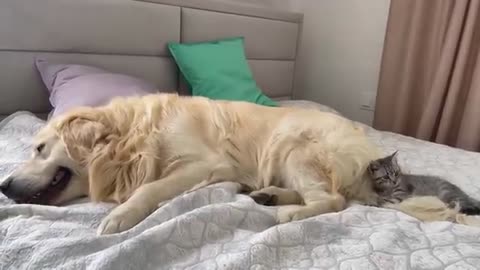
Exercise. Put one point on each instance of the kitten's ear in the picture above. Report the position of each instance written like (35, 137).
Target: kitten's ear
(394, 158)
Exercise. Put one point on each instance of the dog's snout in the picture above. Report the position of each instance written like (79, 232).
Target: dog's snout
(10, 187)
(5, 184)
(15, 188)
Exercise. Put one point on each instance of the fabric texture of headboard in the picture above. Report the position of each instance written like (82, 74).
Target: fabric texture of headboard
(129, 36)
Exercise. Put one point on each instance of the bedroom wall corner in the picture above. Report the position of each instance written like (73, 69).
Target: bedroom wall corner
(340, 54)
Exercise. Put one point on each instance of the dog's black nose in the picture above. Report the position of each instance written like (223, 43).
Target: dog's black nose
(5, 184)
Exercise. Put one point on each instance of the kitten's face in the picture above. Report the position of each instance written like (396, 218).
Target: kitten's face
(385, 172)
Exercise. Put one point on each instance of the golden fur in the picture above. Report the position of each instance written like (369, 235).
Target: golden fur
(429, 208)
(140, 152)
(138, 140)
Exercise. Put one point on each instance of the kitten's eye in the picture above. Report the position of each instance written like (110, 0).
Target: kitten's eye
(40, 147)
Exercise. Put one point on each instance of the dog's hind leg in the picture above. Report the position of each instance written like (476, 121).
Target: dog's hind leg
(273, 195)
(314, 182)
(317, 202)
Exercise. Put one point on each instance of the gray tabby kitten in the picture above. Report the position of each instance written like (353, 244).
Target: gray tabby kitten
(394, 186)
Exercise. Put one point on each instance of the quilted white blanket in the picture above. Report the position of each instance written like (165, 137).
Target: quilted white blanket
(214, 228)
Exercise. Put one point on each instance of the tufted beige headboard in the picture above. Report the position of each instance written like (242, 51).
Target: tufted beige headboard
(130, 37)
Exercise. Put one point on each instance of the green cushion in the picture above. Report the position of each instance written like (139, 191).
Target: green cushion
(218, 70)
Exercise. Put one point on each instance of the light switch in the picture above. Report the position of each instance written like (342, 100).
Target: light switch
(367, 101)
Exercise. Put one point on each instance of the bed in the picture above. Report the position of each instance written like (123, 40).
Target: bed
(212, 228)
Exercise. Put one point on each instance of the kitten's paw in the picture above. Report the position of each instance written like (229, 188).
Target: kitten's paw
(454, 205)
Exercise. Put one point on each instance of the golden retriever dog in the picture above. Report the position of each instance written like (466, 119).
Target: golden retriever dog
(142, 151)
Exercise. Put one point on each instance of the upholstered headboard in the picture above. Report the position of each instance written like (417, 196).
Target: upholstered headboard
(130, 37)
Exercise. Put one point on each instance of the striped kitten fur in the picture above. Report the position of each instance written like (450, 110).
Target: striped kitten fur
(394, 186)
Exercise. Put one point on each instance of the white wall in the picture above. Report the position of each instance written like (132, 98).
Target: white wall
(340, 53)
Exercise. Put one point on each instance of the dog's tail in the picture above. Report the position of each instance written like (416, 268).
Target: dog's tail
(430, 208)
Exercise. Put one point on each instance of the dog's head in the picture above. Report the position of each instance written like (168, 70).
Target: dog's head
(57, 169)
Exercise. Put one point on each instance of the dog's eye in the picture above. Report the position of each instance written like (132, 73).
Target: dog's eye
(40, 147)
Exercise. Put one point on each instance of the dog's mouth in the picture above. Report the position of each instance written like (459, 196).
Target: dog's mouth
(58, 183)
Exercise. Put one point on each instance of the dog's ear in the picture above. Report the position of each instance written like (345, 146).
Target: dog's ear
(82, 131)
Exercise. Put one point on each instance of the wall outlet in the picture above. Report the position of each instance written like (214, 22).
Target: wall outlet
(367, 101)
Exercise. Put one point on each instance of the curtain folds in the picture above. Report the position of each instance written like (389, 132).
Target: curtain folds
(429, 84)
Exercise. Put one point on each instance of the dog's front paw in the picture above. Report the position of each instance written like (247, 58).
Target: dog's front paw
(120, 219)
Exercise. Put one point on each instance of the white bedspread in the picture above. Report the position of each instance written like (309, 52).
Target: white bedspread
(214, 228)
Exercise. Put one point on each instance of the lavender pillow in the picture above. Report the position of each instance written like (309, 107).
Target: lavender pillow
(78, 85)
